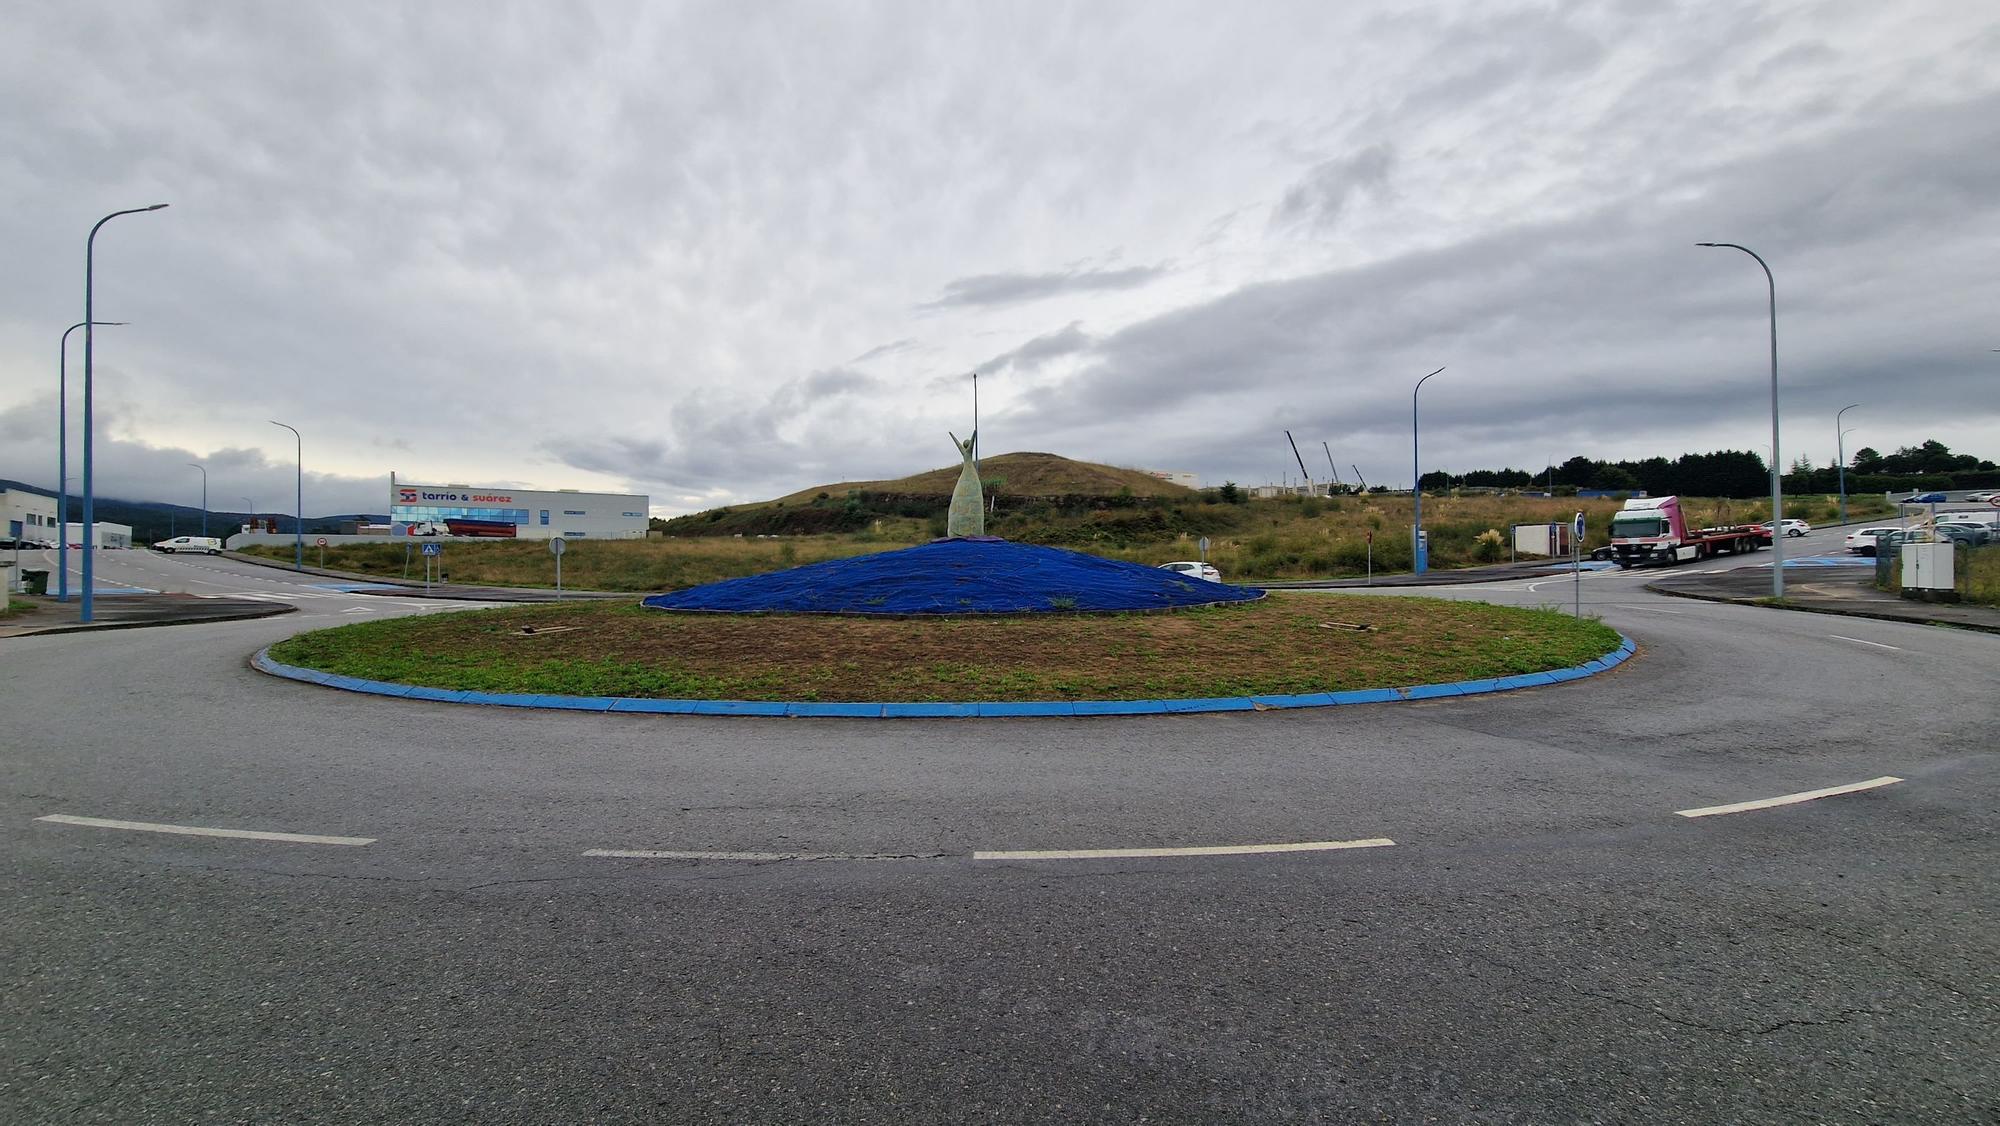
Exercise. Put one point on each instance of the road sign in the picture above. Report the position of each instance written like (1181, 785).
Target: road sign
(558, 545)
(1579, 527)
(320, 542)
(1994, 500)
(1204, 549)
(433, 549)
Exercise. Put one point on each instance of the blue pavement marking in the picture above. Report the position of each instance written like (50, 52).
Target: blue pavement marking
(987, 709)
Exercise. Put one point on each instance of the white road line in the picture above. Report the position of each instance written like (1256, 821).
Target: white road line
(1202, 850)
(1652, 609)
(1790, 799)
(200, 831)
(667, 854)
(1859, 641)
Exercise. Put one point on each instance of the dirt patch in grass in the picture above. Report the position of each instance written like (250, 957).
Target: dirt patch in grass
(1283, 644)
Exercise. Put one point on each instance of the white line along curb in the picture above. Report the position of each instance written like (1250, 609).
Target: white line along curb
(757, 857)
(199, 831)
(1790, 799)
(1200, 850)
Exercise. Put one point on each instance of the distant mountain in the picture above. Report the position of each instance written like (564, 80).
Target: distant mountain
(156, 520)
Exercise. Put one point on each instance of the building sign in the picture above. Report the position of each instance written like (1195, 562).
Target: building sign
(425, 494)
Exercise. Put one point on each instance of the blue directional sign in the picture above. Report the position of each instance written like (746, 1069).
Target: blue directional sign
(433, 549)
(1579, 527)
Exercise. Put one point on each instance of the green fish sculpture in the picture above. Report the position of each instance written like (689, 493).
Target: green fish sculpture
(968, 504)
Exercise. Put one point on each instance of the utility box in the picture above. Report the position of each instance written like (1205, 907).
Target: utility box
(1541, 539)
(1927, 571)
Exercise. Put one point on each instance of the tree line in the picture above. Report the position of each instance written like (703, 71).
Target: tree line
(1737, 473)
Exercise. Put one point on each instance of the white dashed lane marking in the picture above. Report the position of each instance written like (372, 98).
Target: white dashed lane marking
(1859, 641)
(1790, 799)
(203, 831)
(1199, 850)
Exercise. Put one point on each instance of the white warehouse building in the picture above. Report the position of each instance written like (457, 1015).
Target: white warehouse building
(496, 512)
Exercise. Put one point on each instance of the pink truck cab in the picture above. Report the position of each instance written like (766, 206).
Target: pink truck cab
(1653, 530)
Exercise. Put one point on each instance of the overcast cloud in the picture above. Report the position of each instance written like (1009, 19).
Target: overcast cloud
(721, 252)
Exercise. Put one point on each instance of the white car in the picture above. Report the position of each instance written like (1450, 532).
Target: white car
(1982, 498)
(1861, 541)
(205, 545)
(1194, 570)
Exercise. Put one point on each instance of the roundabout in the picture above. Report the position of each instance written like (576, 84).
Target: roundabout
(1285, 651)
(1746, 878)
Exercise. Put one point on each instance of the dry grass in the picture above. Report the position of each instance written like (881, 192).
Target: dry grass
(1295, 538)
(1279, 645)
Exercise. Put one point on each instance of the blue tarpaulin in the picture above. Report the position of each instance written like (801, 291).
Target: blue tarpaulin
(957, 576)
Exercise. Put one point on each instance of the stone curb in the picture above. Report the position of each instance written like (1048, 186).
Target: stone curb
(263, 662)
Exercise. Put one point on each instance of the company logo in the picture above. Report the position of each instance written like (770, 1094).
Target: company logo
(412, 496)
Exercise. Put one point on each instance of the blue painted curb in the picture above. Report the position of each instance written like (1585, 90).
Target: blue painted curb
(262, 662)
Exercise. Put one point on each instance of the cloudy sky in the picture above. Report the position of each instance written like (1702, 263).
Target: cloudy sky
(720, 251)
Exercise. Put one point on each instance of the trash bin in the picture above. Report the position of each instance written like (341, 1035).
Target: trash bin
(37, 582)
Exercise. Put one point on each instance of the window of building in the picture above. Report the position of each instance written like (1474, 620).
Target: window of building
(545, 517)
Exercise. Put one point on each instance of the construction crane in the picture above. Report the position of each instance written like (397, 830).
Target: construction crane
(1359, 477)
(1303, 475)
(1329, 462)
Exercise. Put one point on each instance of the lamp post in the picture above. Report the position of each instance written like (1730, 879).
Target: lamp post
(89, 482)
(1418, 555)
(62, 462)
(1777, 468)
(1840, 451)
(298, 521)
(204, 498)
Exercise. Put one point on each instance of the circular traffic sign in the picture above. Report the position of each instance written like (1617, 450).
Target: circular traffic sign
(558, 545)
(320, 542)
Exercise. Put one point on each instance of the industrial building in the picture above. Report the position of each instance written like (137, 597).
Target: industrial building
(106, 534)
(495, 512)
(30, 513)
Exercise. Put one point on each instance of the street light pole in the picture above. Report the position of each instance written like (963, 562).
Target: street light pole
(1418, 555)
(89, 483)
(204, 498)
(1840, 451)
(1777, 467)
(62, 462)
(298, 521)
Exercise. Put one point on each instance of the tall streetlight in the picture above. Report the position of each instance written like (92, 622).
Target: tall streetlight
(89, 483)
(1840, 451)
(204, 497)
(1417, 553)
(1777, 466)
(299, 521)
(62, 462)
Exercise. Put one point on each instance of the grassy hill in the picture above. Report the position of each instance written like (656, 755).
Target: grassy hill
(1015, 474)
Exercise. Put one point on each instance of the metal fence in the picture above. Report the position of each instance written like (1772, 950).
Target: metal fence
(1975, 573)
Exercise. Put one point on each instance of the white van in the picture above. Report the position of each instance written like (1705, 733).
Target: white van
(206, 545)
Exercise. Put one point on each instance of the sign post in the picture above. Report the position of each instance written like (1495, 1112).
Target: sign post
(557, 546)
(432, 551)
(321, 544)
(1371, 557)
(1204, 549)
(1576, 559)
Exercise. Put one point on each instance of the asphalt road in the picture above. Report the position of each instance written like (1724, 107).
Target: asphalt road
(1545, 940)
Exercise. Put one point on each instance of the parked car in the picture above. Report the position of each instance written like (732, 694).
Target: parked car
(1982, 498)
(1861, 541)
(205, 545)
(1194, 570)
(1924, 498)
(1978, 535)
